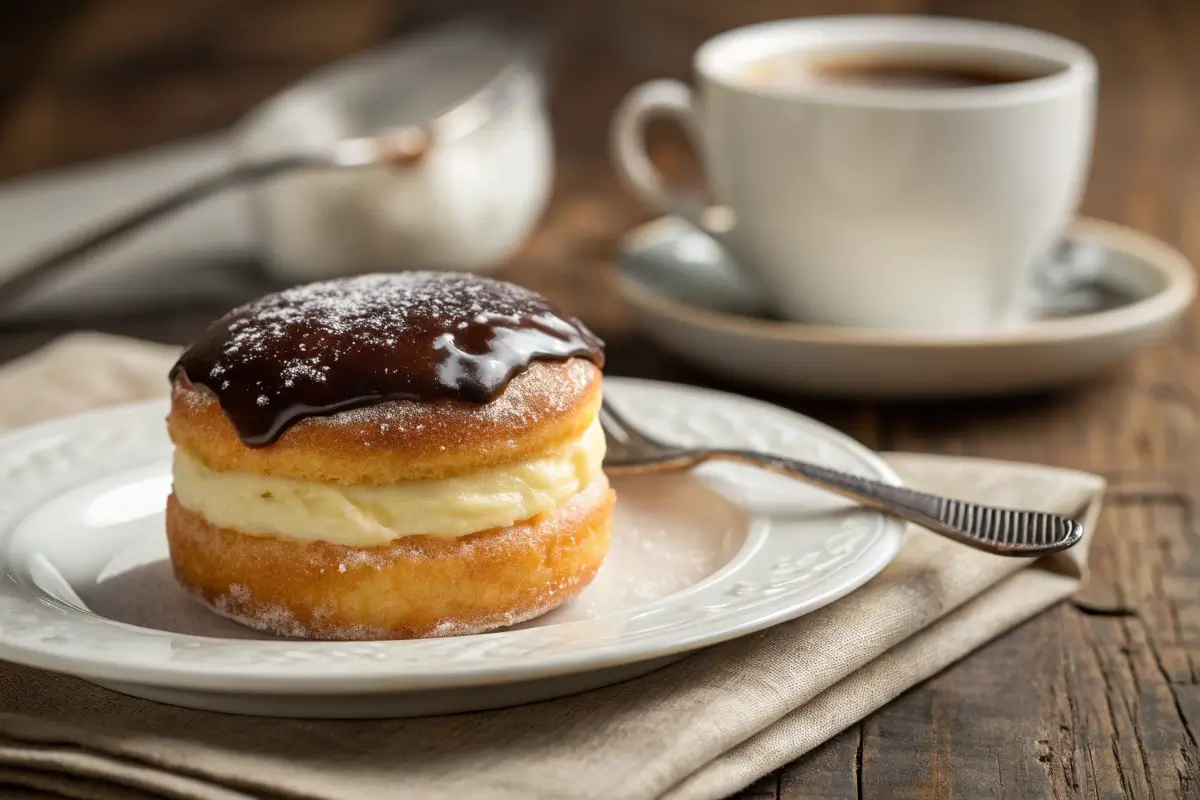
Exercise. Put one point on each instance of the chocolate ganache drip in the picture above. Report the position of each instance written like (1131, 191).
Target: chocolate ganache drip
(327, 347)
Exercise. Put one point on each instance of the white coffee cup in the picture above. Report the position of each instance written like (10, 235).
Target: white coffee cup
(917, 207)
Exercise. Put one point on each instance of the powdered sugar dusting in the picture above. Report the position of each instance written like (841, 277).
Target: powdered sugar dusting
(378, 310)
(241, 608)
(556, 391)
(332, 345)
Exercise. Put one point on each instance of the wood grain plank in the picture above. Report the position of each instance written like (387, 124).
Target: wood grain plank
(976, 730)
(765, 788)
(830, 772)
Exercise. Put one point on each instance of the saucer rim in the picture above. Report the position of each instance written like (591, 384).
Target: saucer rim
(1176, 296)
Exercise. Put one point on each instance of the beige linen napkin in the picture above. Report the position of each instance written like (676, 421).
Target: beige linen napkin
(702, 728)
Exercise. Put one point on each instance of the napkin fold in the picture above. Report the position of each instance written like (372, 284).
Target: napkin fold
(701, 728)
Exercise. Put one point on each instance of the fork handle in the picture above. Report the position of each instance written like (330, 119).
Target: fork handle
(1001, 531)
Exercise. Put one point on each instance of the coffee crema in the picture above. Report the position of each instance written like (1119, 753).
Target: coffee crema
(795, 70)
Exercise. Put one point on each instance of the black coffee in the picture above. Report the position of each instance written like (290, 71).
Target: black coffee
(881, 71)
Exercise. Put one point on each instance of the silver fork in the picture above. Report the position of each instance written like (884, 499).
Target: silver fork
(1002, 531)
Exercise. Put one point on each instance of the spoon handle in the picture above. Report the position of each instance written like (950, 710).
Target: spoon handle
(18, 279)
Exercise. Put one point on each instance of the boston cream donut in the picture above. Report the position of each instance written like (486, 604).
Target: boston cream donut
(389, 456)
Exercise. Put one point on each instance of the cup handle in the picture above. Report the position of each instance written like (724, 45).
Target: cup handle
(673, 100)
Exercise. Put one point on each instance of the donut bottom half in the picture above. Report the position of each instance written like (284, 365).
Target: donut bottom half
(415, 587)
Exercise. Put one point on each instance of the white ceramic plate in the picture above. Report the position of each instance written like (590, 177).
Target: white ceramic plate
(697, 558)
(686, 295)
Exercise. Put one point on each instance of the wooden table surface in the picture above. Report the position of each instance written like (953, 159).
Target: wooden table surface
(1098, 697)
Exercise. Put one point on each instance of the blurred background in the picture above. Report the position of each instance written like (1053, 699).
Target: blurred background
(89, 79)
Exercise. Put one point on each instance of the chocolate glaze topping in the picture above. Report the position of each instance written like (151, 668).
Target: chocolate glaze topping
(336, 345)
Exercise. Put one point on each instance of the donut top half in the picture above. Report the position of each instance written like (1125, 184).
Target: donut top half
(415, 375)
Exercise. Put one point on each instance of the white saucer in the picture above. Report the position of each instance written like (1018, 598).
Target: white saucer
(697, 559)
(686, 294)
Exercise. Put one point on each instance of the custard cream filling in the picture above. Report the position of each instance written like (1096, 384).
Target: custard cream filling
(369, 516)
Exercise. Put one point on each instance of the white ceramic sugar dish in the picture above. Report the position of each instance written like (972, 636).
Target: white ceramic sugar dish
(464, 201)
